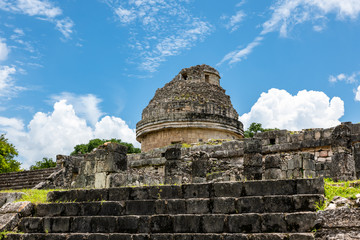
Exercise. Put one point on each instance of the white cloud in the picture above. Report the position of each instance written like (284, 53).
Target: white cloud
(42, 9)
(308, 109)
(234, 20)
(125, 15)
(57, 132)
(86, 106)
(238, 55)
(159, 29)
(4, 50)
(357, 94)
(342, 77)
(7, 87)
(286, 14)
(65, 26)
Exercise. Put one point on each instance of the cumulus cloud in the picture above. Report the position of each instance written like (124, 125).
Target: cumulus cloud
(357, 94)
(4, 50)
(57, 132)
(42, 9)
(159, 29)
(86, 106)
(286, 14)
(308, 109)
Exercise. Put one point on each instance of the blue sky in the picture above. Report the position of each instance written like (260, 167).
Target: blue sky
(74, 70)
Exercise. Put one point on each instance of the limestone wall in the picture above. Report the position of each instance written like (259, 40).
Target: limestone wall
(333, 152)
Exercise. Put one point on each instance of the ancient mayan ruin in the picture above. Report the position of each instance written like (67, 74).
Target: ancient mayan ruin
(191, 108)
(197, 178)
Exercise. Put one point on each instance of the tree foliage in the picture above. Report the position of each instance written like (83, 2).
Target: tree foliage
(255, 128)
(94, 143)
(45, 163)
(7, 154)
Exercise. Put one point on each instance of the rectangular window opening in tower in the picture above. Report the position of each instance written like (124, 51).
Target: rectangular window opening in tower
(207, 78)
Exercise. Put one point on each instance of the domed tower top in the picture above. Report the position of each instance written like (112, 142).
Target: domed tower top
(193, 107)
(200, 73)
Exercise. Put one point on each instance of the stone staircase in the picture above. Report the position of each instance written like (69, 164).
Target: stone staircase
(282, 209)
(24, 179)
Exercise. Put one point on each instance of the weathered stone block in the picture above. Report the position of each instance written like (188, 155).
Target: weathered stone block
(295, 162)
(273, 223)
(60, 225)
(196, 190)
(141, 207)
(261, 188)
(24, 209)
(118, 194)
(100, 180)
(245, 223)
(165, 192)
(213, 223)
(272, 161)
(310, 186)
(197, 206)
(172, 153)
(300, 222)
(128, 224)
(103, 224)
(223, 205)
(80, 225)
(112, 209)
(8, 221)
(306, 202)
(228, 189)
(253, 160)
(278, 204)
(139, 193)
(274, 173)
(187, 223)
(250, 205)
(176, 206)
(161, 224)
(342, 166)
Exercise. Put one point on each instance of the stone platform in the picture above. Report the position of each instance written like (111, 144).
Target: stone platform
(273, 209)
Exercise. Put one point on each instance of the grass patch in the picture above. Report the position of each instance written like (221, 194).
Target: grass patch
(346, 189)
(33, 195)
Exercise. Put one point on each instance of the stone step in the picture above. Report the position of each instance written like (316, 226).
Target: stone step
(22, 181)
(25, 177)
(18, 187)
(180, 223)
(193, 236)
(28, 173)
(206, 190)
(221, 205)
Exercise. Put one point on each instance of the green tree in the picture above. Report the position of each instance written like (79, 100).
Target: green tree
(7, 154)
(256, 127)
(94, 143)
(45, 163)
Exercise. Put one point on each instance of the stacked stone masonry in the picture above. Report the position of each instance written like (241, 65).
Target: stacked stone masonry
(280, 154)
(273, 209)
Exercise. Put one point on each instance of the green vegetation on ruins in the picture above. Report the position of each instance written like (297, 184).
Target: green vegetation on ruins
(32, 195)
(7, 154)
(255, 128)
(45, 163)
(348, 189)
(94, 143)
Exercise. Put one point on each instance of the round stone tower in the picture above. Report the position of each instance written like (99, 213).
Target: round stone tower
(193, 107)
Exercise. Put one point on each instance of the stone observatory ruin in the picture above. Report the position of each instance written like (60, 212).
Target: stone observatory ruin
(191, 108)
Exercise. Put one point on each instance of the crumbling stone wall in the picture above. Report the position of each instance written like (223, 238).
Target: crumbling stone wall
(333, 152)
